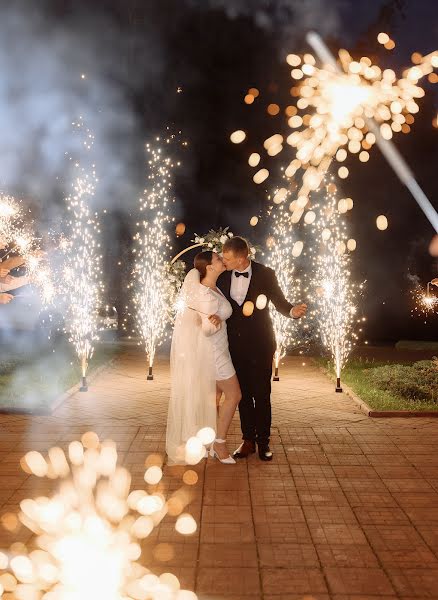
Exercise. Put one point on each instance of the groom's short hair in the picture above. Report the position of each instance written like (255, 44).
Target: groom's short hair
(238, 245)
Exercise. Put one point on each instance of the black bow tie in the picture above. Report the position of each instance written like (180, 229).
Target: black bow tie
(237, 274)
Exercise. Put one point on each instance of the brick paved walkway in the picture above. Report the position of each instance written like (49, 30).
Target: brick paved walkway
(348, 509)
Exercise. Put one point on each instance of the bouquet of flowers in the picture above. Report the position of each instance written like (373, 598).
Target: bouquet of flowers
(215, 239)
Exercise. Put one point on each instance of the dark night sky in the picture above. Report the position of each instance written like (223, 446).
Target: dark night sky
(141, 51)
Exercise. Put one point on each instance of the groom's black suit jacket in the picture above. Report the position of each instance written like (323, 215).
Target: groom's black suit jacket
(251, 339)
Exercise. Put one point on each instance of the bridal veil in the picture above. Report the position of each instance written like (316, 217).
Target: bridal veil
(192, 404)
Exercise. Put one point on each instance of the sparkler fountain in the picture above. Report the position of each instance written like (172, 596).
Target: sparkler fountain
(283, 251)
(82, 267)
(335, 292)
(153, 292)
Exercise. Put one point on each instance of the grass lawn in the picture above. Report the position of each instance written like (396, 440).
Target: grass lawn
(356, 376)
(32, 383)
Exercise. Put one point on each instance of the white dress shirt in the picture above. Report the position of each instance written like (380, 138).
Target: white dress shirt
(239, 285)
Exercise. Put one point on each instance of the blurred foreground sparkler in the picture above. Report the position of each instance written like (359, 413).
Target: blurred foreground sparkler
(82, 266)
(153, 291)
(88, 533)
(335, 292)
(345, 109)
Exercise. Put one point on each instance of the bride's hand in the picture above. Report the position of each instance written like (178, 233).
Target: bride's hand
(215, 320)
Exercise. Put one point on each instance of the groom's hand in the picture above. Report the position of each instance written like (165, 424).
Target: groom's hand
(215, 320)
(298, 311)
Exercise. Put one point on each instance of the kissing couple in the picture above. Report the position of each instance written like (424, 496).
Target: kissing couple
(220, 348)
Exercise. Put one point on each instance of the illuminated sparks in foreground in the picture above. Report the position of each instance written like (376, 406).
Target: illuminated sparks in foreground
(88, 534)
(335, 296)
(153, 291)
(81, 274)
(281, 258)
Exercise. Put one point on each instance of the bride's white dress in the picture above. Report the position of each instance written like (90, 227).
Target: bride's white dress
(212, 302)
(199, 357)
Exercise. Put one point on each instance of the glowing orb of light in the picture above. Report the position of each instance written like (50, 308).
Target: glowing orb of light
(194, 451)
(326, 233)
(148, 505)
(254, 159)
(343, 205)
(351, 245)
(180, 229)
(206, 435)
(297, 249)
(349, 203)
(253, 221)
(343, 172)
(261, 301)
(382, 222)
(309, 217)
(280, 195)
(248, 308)
(186, 524)
(142, 527)
(238, 136)
(190, 477)
(153, 475)
(293, 60)
(383, 38)
(261, 176)
(36, 463)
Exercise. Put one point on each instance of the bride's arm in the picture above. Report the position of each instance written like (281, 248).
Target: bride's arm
(208, 305)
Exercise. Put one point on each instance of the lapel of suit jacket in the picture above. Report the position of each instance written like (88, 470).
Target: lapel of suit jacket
(226, 287)
(254, 271)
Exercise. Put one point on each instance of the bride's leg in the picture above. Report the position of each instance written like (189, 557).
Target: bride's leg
(231, 388)
(218, 398)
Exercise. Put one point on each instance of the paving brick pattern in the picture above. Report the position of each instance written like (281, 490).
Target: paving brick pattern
(347, 510)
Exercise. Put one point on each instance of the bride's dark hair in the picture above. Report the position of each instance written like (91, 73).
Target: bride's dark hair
(202, 259)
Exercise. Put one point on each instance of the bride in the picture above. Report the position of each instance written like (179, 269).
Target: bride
(200, 363)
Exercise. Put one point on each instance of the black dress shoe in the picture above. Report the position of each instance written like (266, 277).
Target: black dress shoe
(245, 449)
(265, 453)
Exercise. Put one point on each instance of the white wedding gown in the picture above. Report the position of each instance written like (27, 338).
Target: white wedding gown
(199, 357)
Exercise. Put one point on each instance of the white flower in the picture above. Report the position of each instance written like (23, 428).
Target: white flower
(201, 240)
(230, 234)
(223, 239)
(210, 245)
(196, 240)
(252, 250)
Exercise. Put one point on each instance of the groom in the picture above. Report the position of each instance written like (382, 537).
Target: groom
(252, 340)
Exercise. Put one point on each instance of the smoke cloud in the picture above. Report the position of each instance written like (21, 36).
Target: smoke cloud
(54, 71)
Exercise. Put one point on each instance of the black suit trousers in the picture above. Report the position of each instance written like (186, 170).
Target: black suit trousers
(255, 405)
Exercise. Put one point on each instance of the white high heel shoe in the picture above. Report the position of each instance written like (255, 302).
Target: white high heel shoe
(226, 461)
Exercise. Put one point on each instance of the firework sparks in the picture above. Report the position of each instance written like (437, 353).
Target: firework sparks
(10, 217)
(281, 258)
(426, 303)
(88, 533)
(81, 273)
(347, 109)
(335, 293)
(153, 291)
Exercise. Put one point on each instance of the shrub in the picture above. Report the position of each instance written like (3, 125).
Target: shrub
(418, 381)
